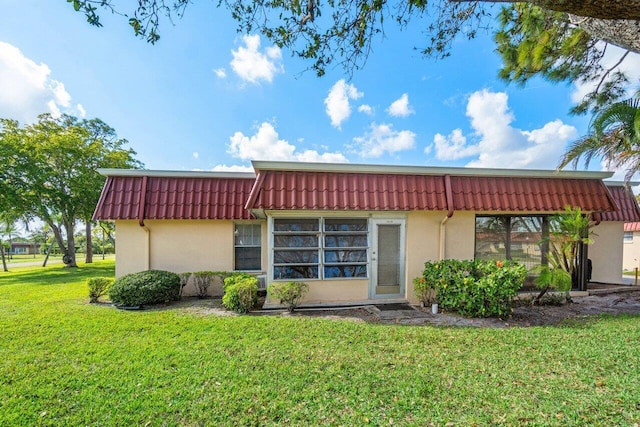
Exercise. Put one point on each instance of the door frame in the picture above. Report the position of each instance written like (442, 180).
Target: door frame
(375, 222)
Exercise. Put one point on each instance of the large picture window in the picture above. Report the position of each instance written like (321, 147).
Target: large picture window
(518, 238)
(320, 248)
(248, 247)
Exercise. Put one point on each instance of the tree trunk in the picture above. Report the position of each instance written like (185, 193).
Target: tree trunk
(599, 9)
(4, 261)
(89, 251)
(613, 21)
(71, 245)
(619, 32)
(46, 258)
(610, 9)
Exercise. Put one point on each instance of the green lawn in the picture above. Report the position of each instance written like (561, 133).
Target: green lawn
(66, 362)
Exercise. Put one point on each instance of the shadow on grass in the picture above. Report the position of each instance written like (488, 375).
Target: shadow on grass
(56, 274)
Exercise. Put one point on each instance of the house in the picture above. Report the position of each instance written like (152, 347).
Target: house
(24, 248)
(354, 233)
(631, 246)
(607, 253)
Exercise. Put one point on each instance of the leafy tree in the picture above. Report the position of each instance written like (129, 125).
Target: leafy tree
(51, 170)
(560, 40)
(614, 135)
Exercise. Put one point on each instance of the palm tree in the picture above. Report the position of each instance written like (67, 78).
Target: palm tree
(614, 135)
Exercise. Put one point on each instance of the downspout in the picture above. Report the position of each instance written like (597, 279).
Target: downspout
(449, 196)
(147, 239)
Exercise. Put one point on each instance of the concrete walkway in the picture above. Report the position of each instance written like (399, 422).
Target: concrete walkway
(32, 263)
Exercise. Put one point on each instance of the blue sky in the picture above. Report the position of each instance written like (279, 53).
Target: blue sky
(205, 97)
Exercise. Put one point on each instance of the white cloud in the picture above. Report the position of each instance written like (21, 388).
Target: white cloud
(630, 65)
(254, 66)
(27, 88)
(267, 145)
(337, 101)
(400, 107)
(382, 138)
(452, 147)
(220, 72)
(232, 168)
(196, 154)
(81, 110)
(499, 145)
(366, 109)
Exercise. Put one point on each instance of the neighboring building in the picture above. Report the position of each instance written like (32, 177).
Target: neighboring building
(354, 233)
(607, 252)
(24, 248)
(631, 251)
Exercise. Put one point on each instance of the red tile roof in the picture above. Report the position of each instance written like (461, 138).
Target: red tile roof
(486, 193)
(282, 190)
(285, 190)
(173, 197)
(628, 210)
(632, 226)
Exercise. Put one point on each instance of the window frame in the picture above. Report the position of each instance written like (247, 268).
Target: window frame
(322, 249)
(545, 228)
(236, 246)
(627, 237)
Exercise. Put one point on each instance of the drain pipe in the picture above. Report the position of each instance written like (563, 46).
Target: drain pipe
(443, 234)
(147, 238)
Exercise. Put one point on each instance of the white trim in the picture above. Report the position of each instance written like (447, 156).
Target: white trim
(425, 170)
(174, 174)
(373, 263)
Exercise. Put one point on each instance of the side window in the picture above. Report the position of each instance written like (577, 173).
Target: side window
(248, 247)
(628, 236)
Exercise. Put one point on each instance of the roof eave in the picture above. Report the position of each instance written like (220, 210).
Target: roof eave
(174, 174)
(259, 165)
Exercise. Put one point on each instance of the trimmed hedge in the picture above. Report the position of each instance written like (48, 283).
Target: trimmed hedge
(473, 288)
(240, 292)
(145, 287)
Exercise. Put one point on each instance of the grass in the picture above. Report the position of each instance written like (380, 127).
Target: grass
(66, 362)
(22, 258)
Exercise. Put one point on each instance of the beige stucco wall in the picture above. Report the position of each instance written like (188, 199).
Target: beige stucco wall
(177, 246)
(423, 241)
(631, 253)
(606, 252)
(328, 292)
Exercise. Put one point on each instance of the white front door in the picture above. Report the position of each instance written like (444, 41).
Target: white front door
(387, 258)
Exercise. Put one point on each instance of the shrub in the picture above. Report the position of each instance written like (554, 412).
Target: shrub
(425, 291)
(234, 278)
(475, 288)
(290, 293)
(202, 280)
(184, 280)
(145, 287)
(98, 286)
(240, 294)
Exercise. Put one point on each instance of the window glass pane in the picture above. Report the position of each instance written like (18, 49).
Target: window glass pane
(295, 225)
(345, 241)
(295, 257)
(295, 241)
(491, 237)
(295, 272)
(346, 271)
(628, 236)
(334, 256)
(248, 235)
(526, 241)
(345, 224)
(248, 258)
